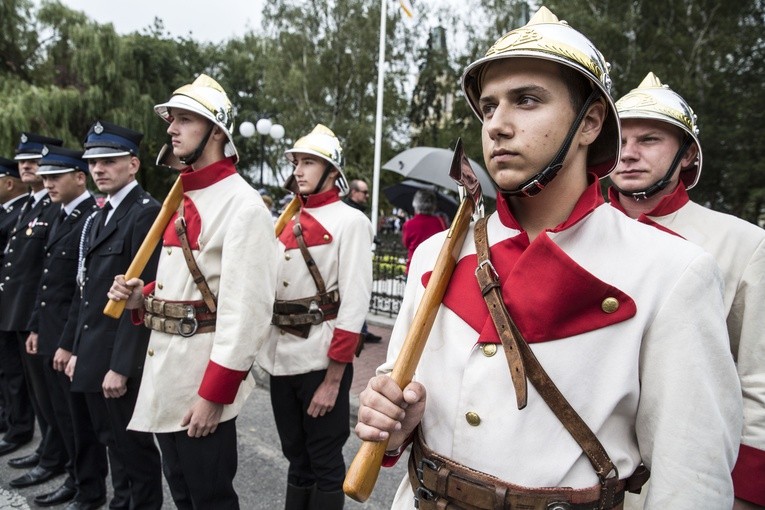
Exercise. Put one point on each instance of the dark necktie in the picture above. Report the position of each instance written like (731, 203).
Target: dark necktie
(104, 214)
(28, 205)
(60, 219)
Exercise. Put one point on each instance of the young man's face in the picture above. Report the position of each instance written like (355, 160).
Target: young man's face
(112, 174)
(63, 188)
(186, 131)
(28, 172)
(308, 170)
(527, 112)
(648, 148)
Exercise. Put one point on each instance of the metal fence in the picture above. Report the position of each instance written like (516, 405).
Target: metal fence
(388, 274)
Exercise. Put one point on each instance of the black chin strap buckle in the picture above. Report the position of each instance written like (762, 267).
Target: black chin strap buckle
(532, 188)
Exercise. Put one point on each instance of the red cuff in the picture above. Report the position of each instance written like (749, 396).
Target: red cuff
(343, 346)
(220, 384)
(136, 316)
(391, 460)
(748, 475)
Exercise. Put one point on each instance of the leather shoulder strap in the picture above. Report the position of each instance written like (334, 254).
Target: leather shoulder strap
(196, 274)
(297, 229)
(523, 363)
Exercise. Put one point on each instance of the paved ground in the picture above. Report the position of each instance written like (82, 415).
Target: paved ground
(262, 469)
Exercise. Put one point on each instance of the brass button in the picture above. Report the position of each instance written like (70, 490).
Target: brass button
(150, 352)
(473, 418)
(169, 251)
(286, 284)
(287, 256)
(85, 327)
(326, 237)
(42, 303)
(63, 253)
(44, 287)
(160, 286)
(489, 350)
(610, 305)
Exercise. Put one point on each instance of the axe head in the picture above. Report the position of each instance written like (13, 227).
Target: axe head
(463, 173)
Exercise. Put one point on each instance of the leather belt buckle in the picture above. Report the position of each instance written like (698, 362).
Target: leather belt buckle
(189, 320)
(316, 312)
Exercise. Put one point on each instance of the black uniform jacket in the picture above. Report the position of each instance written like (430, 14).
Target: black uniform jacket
(100, 342)
(8, 220)
(22, 265)
(59, 279)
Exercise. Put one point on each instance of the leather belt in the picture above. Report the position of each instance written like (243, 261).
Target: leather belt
(184, 318)
(441, 483)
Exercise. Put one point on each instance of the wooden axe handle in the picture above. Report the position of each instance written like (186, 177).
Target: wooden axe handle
(292, 208)
(173, 199)
(363, 471)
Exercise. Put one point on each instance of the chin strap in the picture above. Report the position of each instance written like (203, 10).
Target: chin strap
(661, 183)
(323, 178)
(537, 183)
(190, 159)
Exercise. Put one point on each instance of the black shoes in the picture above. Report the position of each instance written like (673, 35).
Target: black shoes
(57, 497)
(36, 476)
(6, 447)
(86, 505)
(28, 461)
(371, 338)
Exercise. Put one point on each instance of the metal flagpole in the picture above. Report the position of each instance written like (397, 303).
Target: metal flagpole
(378, 117)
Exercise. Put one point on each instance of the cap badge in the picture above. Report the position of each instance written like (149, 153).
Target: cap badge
(98, 128)
(24, 138)
(45, 150)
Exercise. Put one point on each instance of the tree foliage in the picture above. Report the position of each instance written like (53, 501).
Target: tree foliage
(316, 62)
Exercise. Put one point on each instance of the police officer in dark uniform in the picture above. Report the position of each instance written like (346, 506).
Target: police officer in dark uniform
(20, 275)
(12, 194)
(108, 354)
(64, 175)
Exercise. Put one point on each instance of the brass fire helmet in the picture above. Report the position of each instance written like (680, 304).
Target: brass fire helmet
(323, 143)
(545, 37)
(656, 101)
(207, 98)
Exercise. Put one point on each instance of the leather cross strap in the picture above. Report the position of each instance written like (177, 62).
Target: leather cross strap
(196, 274)
(510, 335)
(297, 229)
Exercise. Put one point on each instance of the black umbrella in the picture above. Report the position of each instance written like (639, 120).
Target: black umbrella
(401, 196)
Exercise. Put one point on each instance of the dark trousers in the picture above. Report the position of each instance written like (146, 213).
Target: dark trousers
(90, 462)
(18, 403)
(54, 453)
(200, 471)
(313, 446)
(134, 458)
(90, 480)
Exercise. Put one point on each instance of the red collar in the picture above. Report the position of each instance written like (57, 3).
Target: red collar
(667, 205)
(320, 199)
(588, 201)
(207, 176)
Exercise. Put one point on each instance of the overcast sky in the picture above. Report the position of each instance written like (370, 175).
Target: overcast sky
(210, 21)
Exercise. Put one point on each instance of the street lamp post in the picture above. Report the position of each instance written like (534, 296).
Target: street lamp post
(264, 127)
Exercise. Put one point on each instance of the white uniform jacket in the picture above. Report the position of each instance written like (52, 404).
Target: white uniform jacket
(231, 235)
(739, 249)
(339, 239)
(654, 379)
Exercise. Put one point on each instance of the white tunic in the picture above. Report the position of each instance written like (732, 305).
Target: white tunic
(339, 239)
(739, 249)
(657, 385)
(231, 234)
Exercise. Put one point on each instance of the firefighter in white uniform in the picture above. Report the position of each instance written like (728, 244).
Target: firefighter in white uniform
(600, 302)
(661, 159)
(209, 307)
(323, 288)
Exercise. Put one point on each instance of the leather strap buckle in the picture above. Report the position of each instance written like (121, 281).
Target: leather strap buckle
(189, 320)
(316, 312)
(532, 188)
